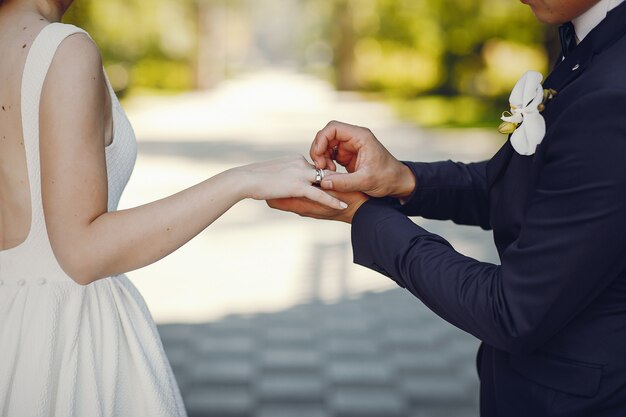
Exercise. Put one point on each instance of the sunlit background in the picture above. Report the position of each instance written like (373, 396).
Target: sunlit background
(440, 62)
(264, 314)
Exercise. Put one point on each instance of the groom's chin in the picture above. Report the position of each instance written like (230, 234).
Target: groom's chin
(554, 12)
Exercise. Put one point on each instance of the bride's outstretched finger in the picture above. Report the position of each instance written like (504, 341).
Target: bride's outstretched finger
(322, 197)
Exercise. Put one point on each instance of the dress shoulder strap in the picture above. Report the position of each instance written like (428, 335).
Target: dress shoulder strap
(37, 64)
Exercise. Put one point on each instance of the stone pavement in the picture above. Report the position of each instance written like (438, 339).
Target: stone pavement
(378, 355)
(264, 314)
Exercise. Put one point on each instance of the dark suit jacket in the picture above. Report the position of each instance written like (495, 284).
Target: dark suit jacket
(552, 316)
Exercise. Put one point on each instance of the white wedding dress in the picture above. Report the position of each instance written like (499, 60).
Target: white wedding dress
(68, 350)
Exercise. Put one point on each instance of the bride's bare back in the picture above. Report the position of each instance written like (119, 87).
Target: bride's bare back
(16, 37)
(14, 188)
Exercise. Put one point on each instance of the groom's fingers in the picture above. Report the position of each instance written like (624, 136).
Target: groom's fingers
(302, 207)
(332, 135)
(284, 204)
(356, 181)
(320, 152)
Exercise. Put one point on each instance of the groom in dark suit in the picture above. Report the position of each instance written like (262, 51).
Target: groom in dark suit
(552, 316)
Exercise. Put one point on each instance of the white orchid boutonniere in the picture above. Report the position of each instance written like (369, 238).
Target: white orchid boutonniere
(524, 122)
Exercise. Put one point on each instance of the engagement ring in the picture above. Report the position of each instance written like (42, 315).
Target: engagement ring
(319, 176)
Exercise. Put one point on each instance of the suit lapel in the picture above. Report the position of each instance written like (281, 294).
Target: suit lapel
(612, 28)
(569, 69)
(500, 160)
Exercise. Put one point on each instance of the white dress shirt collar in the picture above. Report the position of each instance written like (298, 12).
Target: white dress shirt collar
(586, 22)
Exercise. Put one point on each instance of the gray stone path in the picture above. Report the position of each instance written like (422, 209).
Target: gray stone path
(264, 314)
(378, 355)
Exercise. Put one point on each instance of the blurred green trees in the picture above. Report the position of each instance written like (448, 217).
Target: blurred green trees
(144, 43)
(440, 61)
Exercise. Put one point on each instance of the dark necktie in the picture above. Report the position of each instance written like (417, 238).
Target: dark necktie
(567, 34)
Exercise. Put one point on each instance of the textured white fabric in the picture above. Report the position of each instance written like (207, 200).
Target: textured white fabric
(68, 350)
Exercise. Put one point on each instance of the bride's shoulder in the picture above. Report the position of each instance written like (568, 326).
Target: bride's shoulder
(76, 65)
(77, 51)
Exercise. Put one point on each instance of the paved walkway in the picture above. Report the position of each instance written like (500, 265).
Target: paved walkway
(378, 355)
(264, 314)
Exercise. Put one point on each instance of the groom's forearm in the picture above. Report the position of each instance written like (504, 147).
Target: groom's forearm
(449, 190)
(452, 285)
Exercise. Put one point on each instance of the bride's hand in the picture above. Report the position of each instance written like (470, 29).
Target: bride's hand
(285, 177)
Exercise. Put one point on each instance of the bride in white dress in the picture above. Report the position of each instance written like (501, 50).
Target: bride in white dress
(76, 338)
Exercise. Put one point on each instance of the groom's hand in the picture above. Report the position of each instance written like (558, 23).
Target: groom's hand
(308, 208)
(371, 168)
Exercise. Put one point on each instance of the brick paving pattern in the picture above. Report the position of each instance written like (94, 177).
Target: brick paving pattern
(379, 355)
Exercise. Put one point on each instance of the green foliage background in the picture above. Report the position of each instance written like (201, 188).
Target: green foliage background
(440, 62)
(144, 43)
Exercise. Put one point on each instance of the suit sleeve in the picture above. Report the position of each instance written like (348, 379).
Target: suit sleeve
(450, 191)
(571, 244)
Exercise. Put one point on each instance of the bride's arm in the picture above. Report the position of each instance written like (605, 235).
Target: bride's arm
(91, 243)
